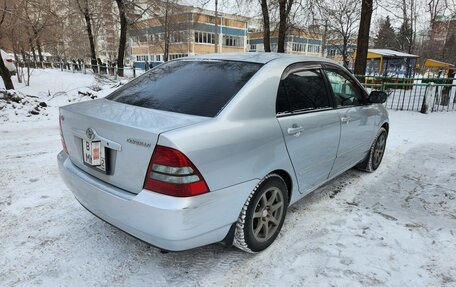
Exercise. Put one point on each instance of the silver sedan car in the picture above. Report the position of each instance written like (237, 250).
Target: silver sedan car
(214, 148)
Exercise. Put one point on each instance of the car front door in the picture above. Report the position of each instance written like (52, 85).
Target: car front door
(357, 119)
(309, 123)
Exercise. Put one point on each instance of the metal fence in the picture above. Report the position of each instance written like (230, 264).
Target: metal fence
(415, 94)
(101, 69)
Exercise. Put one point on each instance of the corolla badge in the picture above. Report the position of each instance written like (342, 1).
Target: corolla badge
(90, 133)
(139, 142)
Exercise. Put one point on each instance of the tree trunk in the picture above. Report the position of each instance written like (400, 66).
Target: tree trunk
(284, 11)
(38, 47)
(412, 27)
(282, 26)
(86, 13)
(24, 56)
(16, 58)
(6, 76)
(93, 55)
(266, 27)
(344, 52)
(26, 59)
(363, 37)
(32, 49)
(324, 38)
(166, 49)
(216, 34)
(123, 37)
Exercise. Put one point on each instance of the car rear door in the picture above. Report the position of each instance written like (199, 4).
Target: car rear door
(357, 119)
(309, 123)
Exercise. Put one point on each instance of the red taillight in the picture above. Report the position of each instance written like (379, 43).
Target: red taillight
(61, 135)
(170, 172)
(9, 60)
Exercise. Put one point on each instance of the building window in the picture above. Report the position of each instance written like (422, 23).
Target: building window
(142, 39)
(299, 47)
(313, 48)
(177, 56)
(253, 47)
(233, 41)
(142, 58)
(334, 52)
(273, 47)
(204, 37)
(177, 37)
(158, 58)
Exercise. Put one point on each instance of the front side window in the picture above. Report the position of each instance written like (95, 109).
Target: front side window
(199, 88)
(346, 92)
(302, 91)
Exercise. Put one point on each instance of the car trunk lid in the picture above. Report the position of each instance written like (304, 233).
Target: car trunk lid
(127, 134)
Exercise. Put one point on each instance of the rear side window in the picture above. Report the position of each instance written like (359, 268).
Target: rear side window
(199, 88)
(302, 91)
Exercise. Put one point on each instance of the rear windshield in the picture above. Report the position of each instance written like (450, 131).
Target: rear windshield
(200, 88)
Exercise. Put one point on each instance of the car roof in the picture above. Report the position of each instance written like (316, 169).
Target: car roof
(260, 57)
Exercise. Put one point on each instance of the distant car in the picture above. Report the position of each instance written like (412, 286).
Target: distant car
(9, 61)
(216, 147)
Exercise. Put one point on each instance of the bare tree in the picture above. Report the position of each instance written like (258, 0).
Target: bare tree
(434, 46)
(84, 8)
(435, 9)
(170, 16)
(267, 11)
(363, 37)
(343, 18)
(39, 16)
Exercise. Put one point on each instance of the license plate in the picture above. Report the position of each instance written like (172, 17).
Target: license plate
(94, 154)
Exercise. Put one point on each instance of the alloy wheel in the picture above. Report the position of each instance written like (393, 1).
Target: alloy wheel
(379, 149)
(268, 214)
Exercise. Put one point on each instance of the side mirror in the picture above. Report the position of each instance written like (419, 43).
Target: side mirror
(377, 97)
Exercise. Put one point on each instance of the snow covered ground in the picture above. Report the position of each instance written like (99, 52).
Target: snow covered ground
(394, 227)
(54, 88)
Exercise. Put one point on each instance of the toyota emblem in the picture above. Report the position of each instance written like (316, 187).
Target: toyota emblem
(90, 134)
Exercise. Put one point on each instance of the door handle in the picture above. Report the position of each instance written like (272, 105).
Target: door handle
(345, 119)
(295, 130)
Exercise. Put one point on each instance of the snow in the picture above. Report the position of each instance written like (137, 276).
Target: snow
(393, 227)
(55, 88)
(388, 52)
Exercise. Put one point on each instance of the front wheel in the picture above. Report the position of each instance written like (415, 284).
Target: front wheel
(376, 152)
(262, 216)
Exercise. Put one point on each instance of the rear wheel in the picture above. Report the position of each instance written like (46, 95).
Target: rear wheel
(376, 152)
(263, 215)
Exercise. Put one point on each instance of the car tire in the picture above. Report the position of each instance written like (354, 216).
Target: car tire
(376, 152)
(262, 215)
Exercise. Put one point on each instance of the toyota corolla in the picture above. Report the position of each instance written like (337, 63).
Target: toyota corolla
(215, 148)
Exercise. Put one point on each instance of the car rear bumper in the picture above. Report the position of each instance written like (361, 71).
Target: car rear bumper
(170, 223)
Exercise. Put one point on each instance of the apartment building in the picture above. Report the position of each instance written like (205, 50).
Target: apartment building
(298, 41)
(191, 32)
